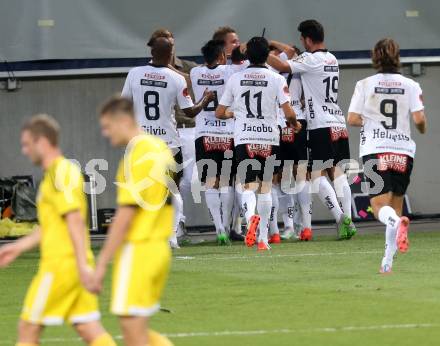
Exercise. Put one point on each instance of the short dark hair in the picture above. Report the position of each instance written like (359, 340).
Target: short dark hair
(212, 50)
(43, 125)
(257, 50)
(386, 55)
(117, 104)
(162, 32)
(221, 32)
(312, 29)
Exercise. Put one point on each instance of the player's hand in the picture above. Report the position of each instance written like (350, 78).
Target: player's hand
(208, 95)
(8, 253)
(86, 276)
(97, 282)
(297, 127)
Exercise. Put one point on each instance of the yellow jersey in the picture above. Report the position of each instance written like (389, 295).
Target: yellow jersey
(142, 181)
(60, 192)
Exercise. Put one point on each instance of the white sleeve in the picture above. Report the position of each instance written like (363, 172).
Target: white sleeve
(227, 97)
(183, 97)
(301, 64)
(416, 98)
(283, 92)
(126, 90)
(358, 99)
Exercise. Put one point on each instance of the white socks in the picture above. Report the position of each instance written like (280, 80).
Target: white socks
(286, 209)
(248, 204)
(264, 206)
(305, 202)
(389, 217)
(343, 193)
(227, 196)
(237, 208)
(328, 197)
(212, 197)
(273, 225)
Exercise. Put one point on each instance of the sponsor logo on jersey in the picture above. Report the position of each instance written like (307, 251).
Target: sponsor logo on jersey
(331, 62)
(154, 75)
(154, 83)
(337, 133)
(390, 84)
(254, 75)
(256, 128)
(257, 83)
(261, 150)
(155, 131)
(287, 134)
(210, 82)
(210, 76)
(331, 68)
(217, 143)
(389, 91)
(185, 92)
(393, 162)
(310, 105)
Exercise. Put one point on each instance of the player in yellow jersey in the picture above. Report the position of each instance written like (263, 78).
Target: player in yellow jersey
(57, 293)
(138, 236)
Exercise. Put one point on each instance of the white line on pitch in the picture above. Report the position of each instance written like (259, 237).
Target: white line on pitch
(272, 331)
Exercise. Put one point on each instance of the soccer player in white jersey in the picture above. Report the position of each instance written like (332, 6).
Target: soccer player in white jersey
(328, 136)
(293, 153)
(215, 138)
(254, 95)
(155, 89)
(382, 105)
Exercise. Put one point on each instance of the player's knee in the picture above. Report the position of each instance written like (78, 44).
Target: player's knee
(89, 332)
(28, 334)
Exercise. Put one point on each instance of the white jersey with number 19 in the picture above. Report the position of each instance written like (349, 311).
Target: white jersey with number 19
(254, 95)
(155, 90)
(320, 79)
(385, 102)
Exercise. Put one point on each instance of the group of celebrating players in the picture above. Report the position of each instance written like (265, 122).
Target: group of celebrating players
(268, 128)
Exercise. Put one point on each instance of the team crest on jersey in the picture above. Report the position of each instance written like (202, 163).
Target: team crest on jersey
(288, 134)
(336, 133)
(261, 150)
(393, 162)
(217, 143)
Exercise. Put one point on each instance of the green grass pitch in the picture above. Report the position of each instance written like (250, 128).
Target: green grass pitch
(324, 292)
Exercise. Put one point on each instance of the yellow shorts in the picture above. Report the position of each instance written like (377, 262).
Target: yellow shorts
(140, 271)
(56, 296)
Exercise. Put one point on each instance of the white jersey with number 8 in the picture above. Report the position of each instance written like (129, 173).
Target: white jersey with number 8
(385, 102)
(155, 90)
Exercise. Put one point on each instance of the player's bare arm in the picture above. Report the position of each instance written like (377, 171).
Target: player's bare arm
(419, 119)
(284, 47)
(290, 115)
(223, 112)
(118, 230)
(208, 96)
(77, 229)
(9, 252)
(355, 119)
(278, 64)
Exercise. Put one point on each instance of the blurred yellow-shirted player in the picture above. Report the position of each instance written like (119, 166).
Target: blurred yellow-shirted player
(57, 293)
(138, 236)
